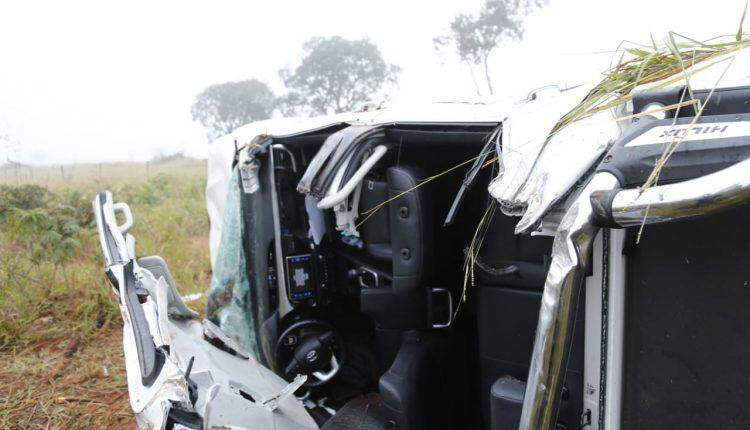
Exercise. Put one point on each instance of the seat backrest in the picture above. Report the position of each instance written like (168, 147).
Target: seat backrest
(411, 227)
(405, 302)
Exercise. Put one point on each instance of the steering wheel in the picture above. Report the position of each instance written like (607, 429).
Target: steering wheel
(312, 348)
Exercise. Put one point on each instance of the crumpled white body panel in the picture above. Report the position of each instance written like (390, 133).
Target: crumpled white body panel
(535, 172)
(220, 377)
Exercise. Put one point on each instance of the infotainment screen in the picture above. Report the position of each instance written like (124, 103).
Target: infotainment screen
(300, 276)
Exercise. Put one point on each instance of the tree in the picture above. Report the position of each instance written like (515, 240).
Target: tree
(221, 108)
(8, 145)
(475, 37)
(335, 75)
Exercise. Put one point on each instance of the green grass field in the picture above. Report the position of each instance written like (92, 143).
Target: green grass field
(61, 362)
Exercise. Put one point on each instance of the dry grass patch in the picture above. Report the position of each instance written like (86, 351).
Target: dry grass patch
(66, 384)
(61, 360)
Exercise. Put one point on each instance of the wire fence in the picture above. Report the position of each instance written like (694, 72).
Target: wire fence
(74, 174)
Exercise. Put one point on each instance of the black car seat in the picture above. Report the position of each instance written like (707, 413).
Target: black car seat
(405, 237)
(414, 358)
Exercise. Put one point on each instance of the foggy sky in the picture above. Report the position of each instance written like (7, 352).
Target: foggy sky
(102, 81)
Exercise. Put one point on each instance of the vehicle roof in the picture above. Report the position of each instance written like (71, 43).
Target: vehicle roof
(428, 113)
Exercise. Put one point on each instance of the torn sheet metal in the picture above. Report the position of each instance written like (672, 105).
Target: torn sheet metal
(570, 258)
(536, 171)
(157, 268)
(202, 379)
(230, 389)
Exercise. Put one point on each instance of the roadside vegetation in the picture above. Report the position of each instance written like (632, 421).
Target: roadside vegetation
(61, 362)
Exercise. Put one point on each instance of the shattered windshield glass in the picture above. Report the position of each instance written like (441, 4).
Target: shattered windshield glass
(229, 301)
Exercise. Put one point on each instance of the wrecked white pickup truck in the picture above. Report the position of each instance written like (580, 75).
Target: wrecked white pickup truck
(365, 279)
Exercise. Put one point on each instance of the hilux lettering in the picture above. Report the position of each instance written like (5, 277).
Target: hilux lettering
(682, 132)
(660, 135)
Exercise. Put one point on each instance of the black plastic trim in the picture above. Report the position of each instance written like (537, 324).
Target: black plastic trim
(108, 239)
(150, 359)
(601, 205)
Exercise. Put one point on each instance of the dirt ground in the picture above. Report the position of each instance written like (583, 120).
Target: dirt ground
(64, 384)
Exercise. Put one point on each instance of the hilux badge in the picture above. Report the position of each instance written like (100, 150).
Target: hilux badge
(689, 132)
